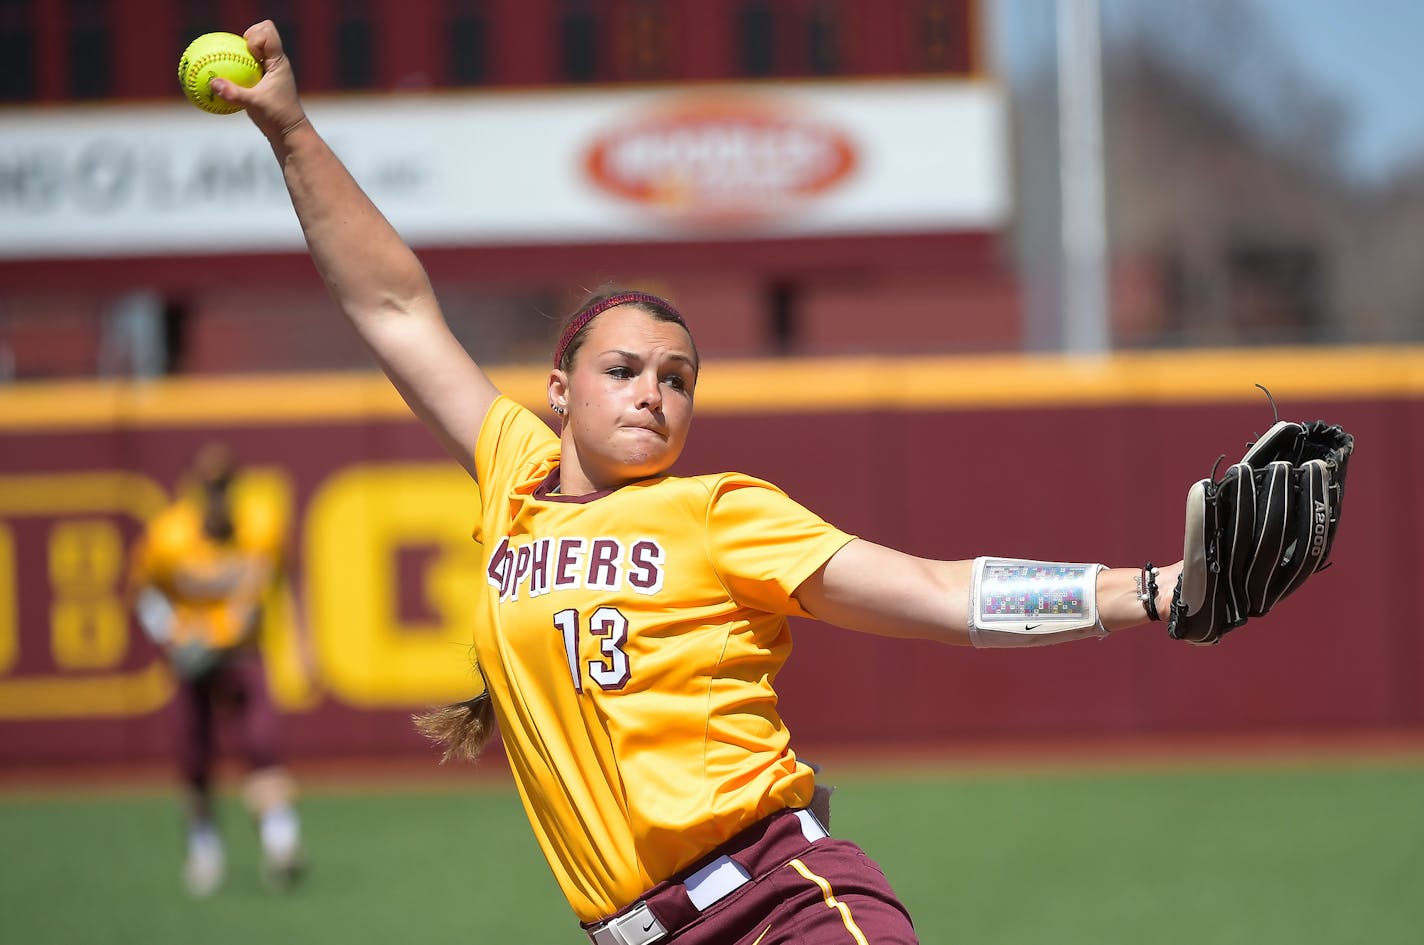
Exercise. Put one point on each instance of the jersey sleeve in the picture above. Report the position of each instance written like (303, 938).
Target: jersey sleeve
(764, 544)
(510, 437)
(261, 528)
(166, 541)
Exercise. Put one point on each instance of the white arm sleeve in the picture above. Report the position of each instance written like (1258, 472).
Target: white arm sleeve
(155, 615)
(1018, 602)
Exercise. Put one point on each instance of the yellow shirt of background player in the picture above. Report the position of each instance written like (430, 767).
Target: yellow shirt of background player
(630, 648)
(198, 575)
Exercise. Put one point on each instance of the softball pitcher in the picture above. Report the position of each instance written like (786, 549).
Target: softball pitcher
(636, 621)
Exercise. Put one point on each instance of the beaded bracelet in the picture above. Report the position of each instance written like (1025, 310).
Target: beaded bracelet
(1147, 590)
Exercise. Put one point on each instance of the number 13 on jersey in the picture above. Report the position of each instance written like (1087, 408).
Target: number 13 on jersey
(610, 628)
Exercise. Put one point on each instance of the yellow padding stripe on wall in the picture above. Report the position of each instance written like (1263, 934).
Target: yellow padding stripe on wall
(988, 381)
(797, 385)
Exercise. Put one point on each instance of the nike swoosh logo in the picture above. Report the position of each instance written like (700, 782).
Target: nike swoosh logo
(651, 923)
(1032, 626)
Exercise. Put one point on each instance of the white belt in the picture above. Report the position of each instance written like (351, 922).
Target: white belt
(709, 885)
(637, 926)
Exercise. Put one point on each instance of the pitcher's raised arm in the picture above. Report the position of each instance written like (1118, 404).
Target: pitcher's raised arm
(372, 274)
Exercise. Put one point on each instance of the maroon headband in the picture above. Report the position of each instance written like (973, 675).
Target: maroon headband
(613, 301)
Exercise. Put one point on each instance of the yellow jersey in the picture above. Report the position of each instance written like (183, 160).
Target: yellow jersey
(200, 576)
(631, 643)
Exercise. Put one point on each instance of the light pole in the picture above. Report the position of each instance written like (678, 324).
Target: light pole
(1083, 215)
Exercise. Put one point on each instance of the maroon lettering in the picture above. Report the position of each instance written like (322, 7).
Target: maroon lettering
(521, 570)
(646, 566)
(539, 568)
(497, 564)
(566, 562)
(603, 564)
(562, 564)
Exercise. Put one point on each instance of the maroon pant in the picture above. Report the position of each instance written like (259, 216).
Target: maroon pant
(826, 892)
(237, 685)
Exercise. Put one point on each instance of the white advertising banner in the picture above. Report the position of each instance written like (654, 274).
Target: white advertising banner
(673, 163)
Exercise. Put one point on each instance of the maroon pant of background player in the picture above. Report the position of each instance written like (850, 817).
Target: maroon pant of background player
(237, 685)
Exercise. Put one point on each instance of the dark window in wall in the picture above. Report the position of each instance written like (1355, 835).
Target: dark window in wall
(17, 44)
(467, 41)
(756, 36)
(355, 46)
(1275, 293)
(198, 17)
(176, 321)
(823, 36)
(934, 36)
(88, 50)
(783, 326)
(289, 26)
(642, 41)
(578, 41)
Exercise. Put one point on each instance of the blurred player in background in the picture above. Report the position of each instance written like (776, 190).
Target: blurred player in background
(200, 577)
(635, 621)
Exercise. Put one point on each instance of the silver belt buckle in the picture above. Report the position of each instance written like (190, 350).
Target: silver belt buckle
(637, 926)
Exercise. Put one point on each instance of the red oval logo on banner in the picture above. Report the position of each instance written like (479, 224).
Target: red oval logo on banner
(720, 160)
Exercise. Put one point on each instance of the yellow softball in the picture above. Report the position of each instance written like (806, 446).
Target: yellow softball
(216, 56)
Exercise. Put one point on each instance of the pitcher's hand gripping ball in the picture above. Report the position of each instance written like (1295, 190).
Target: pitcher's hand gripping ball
(216, 56)
(1256, 535)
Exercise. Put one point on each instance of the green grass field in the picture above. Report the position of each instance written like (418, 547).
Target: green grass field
(1294, 856)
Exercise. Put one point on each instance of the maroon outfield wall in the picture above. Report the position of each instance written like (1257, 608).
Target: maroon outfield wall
(942, 457)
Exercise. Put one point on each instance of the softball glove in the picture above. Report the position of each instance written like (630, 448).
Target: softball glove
(1254, 536)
